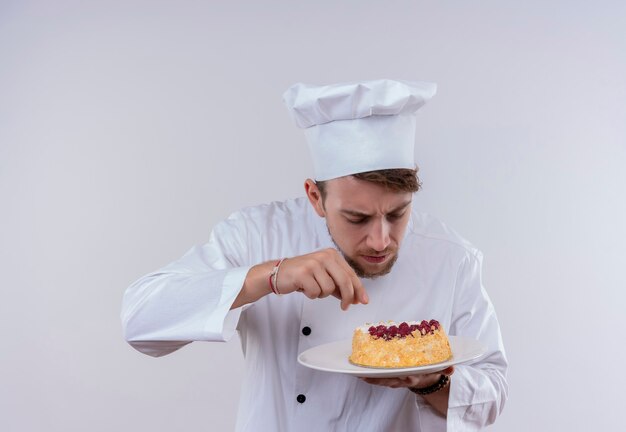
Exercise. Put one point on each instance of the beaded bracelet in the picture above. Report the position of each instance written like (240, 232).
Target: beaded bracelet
(441, 383)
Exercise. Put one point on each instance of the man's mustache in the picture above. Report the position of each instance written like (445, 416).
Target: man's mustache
(372, 252)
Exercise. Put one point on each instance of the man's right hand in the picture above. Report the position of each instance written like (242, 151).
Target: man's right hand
(317, 275)
(320, 274)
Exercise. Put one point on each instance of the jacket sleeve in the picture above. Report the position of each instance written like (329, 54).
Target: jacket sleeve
(189, 299)
(478, 390)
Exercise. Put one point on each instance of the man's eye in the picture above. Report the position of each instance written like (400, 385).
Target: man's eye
(394, 216)
(357, 221)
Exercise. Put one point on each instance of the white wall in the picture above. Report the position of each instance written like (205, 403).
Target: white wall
(128, 129)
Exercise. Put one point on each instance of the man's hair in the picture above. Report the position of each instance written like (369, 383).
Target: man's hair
(397, 180)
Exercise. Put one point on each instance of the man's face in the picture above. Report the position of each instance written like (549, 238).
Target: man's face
(366, 221)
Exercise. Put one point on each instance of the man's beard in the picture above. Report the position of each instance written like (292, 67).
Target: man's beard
(359, 270)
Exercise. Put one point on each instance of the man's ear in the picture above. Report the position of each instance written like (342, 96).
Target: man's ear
(315, 197)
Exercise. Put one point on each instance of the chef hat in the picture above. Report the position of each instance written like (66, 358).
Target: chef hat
(359, 126)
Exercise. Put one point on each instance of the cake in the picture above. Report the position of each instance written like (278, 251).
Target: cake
(408, 344)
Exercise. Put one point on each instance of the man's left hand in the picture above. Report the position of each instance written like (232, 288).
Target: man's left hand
(419, 381)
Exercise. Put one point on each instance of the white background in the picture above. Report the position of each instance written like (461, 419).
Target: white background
(129, 128)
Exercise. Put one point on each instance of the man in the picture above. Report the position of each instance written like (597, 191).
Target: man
(292, 275)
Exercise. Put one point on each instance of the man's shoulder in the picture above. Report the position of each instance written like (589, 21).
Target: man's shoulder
(426, 227)
(294, 207)
(260, 218)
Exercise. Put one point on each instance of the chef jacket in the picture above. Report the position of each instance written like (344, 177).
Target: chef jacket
(437, 276)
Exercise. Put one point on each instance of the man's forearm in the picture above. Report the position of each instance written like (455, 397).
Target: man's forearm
(255, 286)
(439, 400)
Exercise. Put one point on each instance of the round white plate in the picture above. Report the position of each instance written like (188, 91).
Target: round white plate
(333, 357)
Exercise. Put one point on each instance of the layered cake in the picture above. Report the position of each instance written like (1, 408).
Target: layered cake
(408, 344)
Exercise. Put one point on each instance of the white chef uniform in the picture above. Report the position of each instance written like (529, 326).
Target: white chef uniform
(437, 275)
(350, 128)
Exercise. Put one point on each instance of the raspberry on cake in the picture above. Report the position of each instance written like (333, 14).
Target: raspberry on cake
(407, 344)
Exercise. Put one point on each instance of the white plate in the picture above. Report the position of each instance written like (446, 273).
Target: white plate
(333, 357)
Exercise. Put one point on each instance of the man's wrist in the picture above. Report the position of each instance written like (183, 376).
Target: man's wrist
(441, 383)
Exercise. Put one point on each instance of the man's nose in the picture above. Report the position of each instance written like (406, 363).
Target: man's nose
(378, 237)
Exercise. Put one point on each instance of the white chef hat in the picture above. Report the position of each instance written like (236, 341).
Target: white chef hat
(359, 126)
